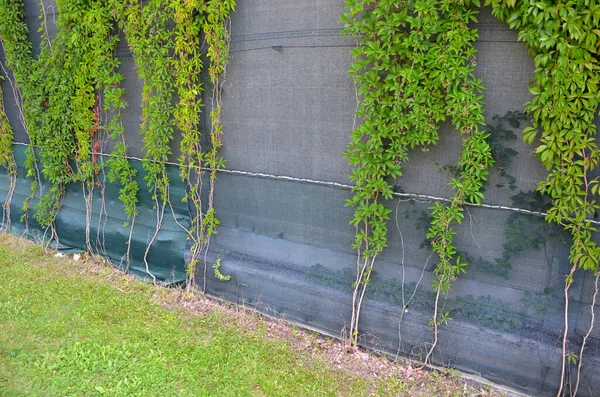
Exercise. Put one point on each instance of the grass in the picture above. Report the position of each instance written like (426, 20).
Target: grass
(69, 331)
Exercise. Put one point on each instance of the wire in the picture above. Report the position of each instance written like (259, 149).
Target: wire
(278, 48)
(287, 34)
(409, 196)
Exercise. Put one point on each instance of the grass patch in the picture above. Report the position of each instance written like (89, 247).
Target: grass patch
(69, 331)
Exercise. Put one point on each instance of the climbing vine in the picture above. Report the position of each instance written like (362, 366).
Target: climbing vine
(7, 160)
(61, 92)
(209, 22)
(188, 62)
(71, 94)
(82, 53)
(217, 37)
(55, 135)
(119, 167)
(414, 66)
(161, 51)
(150, 41)
(27, 87)
(563, 39)
(413, 69)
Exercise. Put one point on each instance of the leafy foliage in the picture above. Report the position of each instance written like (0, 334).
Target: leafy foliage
(150, 41)
(565, 101)
(218, 275)
(18, 55)
(6, 140)
(563, 39)
(166, 38)
(61, 92)
(413, 69)
(208, 21)
(7, 160)
(74, 82)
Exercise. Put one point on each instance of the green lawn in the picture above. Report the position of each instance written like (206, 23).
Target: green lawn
(67, 332)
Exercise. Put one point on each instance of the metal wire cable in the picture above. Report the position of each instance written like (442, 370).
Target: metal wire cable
(409, 196)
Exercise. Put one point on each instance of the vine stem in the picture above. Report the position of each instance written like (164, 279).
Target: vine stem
(127, 255)
(354, 290)
(103, 215)
(88, 196)
(362, 264)
(160, 211)
(47, 35)
(362, 295)
(441, 282)
(19, 103)
(566, 319)
(9, 164)
(405, 305)
(358, 256)
(435, 329)
(355, 293)
(405, 302)
(52, 225)
(402, 257)
(12, 171)
(195, 250)
(15, 92)
(589, 331)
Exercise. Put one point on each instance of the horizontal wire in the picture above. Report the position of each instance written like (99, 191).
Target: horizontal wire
(410, 196)
(280, 47)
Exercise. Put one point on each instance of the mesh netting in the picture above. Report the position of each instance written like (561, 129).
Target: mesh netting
(285, 237)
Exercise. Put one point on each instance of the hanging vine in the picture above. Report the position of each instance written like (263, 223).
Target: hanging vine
(151, 41)
(55, 136)
(413, 68)
(464, 105)
(62, 94)
(195, 21)
(563, 39)
(60, 91)
(26, 88)
(161, 51)
(74, 82)
(119, 168)
(89, 30)
(188, 63)
(7, 160)
(216, 34)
